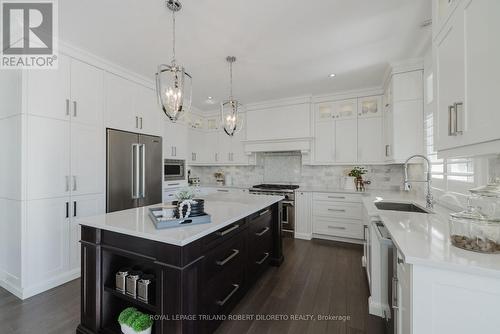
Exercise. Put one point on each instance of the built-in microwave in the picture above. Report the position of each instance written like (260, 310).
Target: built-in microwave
(174, 170)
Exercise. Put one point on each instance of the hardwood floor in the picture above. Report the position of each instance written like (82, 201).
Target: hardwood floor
(317, 278)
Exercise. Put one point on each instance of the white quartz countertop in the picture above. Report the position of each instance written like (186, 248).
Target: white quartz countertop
(423, 239)
(326, 189)
(224, 209)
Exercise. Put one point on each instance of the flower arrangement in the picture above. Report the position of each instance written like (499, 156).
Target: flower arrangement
(185, 194)
(134, 322)
(358, 172)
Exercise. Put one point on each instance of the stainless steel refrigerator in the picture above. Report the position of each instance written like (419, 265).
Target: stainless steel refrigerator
(134, 170)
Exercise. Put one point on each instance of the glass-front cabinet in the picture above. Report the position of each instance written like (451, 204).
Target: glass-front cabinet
(370, 106)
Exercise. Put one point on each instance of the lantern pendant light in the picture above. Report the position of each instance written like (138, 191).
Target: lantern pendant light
(173, 83)
(231, 118)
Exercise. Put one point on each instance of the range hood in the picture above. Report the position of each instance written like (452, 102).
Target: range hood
(302, 145)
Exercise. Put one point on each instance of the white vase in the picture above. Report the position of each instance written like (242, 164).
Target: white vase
(349, 183)
(128, 330)
(146, 331)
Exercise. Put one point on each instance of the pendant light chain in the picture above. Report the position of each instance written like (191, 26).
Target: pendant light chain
(231, 81)
(173, 37)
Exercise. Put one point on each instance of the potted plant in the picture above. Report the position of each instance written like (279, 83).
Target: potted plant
(357, 173)
(134, 322)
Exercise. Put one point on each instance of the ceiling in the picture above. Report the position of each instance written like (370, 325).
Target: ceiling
(284, 48)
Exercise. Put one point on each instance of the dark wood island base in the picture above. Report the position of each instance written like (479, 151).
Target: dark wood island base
(194, 286)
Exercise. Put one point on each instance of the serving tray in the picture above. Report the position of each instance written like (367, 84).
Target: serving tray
(156, 215)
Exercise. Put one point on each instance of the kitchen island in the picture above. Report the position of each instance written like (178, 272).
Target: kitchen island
(200, 271)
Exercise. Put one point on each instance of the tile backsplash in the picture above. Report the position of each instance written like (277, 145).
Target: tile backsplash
(287, 168)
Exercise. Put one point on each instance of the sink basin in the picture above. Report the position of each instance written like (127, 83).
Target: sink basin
(394, 206)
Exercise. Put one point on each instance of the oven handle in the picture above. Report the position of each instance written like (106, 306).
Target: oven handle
(288, 203)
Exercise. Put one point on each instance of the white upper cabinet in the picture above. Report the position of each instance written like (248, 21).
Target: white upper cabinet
(370, 106)
(120, 103)
(370, 139)
(346, 141)
(324, 142)
(175, 141)
(403, 116)
(467, 53)
(86, 94)
(150, 114)
(49, 91)
(132, 107)
(346, 109)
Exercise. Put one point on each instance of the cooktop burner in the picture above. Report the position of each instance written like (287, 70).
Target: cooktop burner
(277, 186)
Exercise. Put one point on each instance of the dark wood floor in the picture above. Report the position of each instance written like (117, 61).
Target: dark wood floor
(317, 278)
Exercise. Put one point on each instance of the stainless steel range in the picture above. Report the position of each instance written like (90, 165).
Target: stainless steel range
(288, 210)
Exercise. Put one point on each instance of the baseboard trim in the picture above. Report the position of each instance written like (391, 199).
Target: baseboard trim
(49, 284)
(348, 240)
(303, 236)
(15, 290)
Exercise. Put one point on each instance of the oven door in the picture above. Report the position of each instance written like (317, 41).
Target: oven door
(173, 170)
(288, 217)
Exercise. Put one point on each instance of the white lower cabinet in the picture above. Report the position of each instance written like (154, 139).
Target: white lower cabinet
(404, 302)
(336, 215)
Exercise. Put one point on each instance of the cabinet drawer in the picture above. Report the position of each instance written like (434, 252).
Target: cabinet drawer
(226, 258)
(338, 210)
(338, 228)
(216, 238)
(221, 297)
(337, 197)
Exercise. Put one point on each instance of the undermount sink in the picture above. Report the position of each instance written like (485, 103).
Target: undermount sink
(406, 207)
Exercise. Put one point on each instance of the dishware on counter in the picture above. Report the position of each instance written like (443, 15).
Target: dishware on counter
(478, 227)
(121, 276)
(131, 283)
(145, 288)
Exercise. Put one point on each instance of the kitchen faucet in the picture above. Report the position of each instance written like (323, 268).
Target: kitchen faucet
(429, 200)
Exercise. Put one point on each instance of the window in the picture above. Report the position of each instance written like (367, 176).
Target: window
(448, 175)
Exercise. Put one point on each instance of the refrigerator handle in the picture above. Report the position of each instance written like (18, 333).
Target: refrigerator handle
(135, 171)
(142, 150)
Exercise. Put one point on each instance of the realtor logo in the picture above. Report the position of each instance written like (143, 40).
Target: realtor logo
(29, 34)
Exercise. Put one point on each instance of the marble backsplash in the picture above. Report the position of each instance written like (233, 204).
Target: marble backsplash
(288, 168)
(494, 168)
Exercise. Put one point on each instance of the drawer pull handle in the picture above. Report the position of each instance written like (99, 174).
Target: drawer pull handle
(263, 212)
(173, 184)
(223, 190)
(266, 255)
(229, 258)
(224, 301)
(337, 197)
(336, 210)
(336, 227)
(262, 232)
(229, 230)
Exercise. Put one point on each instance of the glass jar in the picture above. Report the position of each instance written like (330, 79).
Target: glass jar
(486, 200)
(471, 230)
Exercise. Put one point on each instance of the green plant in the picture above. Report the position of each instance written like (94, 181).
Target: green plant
(132, 318)
(126, 314)
(185, 194)
(357, 172)
(142, 322)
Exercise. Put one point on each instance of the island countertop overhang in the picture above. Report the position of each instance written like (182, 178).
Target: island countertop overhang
(224, 209)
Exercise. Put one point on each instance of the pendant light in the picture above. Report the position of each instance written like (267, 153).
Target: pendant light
(231, 118)
(173, 83)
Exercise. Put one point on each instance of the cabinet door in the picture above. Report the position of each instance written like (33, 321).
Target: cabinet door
(180, 141)
(86, 94)
(81, 206)
(88, 161)
(193, 145)
(47, 239)
(346, 141)
(370, 106)
(303, 215)
(388, 133)
(370, 139)
(324, 112)
(450, 54)
(324, 142)
(150, 115)
(224, 148)
(168, 139)
(211, 150)
(404, 293)
(346, 109)
(48, 165)
(238, 149)
(482, 116)
(49, 91)
(120, 98)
